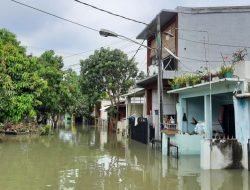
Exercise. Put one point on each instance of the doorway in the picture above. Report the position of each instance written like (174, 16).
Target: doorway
(228, 124)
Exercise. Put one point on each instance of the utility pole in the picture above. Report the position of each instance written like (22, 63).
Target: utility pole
(160, 85)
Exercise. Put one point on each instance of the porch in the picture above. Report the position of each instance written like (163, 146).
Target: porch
(208, 113)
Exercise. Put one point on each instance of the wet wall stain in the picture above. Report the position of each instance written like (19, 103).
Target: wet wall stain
(242, 103)
(235, 147)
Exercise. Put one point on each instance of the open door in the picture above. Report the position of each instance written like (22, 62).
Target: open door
(228, 123)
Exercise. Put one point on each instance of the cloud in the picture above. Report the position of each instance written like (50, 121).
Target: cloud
(41, 32)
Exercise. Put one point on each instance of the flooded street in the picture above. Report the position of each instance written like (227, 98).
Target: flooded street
(89, 158)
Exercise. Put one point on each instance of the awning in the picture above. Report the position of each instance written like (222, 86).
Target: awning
(149, 80)
(136, 92)
(226, 84)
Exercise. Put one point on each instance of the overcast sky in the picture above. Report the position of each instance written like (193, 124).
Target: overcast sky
(40, 32)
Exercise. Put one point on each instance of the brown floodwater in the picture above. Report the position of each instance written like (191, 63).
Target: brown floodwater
(89, 158)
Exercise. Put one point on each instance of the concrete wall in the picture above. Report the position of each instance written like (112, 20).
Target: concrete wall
(103, 113)
(135, 109)
(242, 119)
(169, 108)
(188, 144)
(222, 154)
(223, 28)
(242, 125)
(169, 101)
(195, 108)
(242, 70)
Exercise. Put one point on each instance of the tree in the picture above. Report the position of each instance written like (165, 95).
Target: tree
(20, 84)
(141, 76)
(31, 86)
(107, 72)
(71, 96)
(50, 71)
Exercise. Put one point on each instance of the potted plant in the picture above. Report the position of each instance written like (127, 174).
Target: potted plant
(226, 71)
(195, 79)
(188, 80)
(177, 82)
(203, 74)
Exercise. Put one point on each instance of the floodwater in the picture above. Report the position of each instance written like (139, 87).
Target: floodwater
(89, 158)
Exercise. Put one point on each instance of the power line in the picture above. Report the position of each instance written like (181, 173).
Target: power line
(73, 22)
(57, 51)
(201, 60)
(114, 14)
(51, 14)
(186, 67)
(92, 50)
(129, 52)
(139, 48)
(216, 44)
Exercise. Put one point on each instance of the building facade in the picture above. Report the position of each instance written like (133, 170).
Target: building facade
(204, 39)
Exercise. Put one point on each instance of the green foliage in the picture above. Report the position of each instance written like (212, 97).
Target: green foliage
(51, 72)
(178, 82)
(72, 98)
(31, 86)
(185, 80)
(226, 71)
(141, 76)
(44, 130)
(193, 79)
(20, 84)
(106, 72)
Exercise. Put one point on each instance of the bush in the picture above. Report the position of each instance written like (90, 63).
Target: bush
(44, 130)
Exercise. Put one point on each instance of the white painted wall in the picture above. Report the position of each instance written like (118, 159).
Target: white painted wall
(104, 114)
(242, 125)
(188, 144)
(169, 104)
(135, 108)
(223, 28)
(169, 108)
(242, 70)
(242, 119)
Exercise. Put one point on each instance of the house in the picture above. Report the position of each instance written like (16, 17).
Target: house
(222, 107)
(135, 102)
(103, 118)
(100, 112)
(204, 38)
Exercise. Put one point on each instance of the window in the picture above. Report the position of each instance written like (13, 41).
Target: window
(169, 63)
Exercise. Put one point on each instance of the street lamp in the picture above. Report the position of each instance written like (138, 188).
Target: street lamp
(108, 33)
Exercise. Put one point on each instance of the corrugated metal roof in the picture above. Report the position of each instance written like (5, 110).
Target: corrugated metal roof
(135, 92)
(144, 82)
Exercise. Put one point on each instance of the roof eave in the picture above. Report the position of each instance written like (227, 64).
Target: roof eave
(166, 14)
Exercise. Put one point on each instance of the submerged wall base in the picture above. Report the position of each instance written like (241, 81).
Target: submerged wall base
(223, 154)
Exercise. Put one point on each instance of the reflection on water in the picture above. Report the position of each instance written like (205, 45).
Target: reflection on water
(85, 157)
